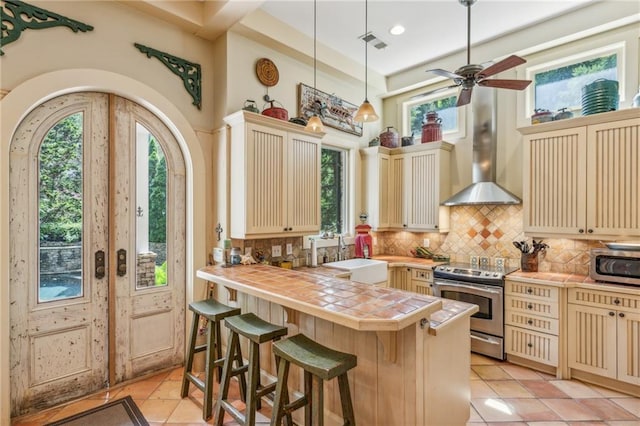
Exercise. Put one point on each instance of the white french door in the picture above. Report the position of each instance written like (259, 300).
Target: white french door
(97, 248)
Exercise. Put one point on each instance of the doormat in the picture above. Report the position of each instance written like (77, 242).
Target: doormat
(120, 412)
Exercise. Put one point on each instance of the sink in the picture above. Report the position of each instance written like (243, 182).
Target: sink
(367, 271)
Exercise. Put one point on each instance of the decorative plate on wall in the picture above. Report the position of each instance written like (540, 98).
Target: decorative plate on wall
(267, 72)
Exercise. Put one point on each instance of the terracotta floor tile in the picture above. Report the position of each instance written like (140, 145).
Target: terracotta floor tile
(520, 373)
(167, 390)
(158, 410)
(139, 390)
(569, 409)
(575, 389)
(474, 417)
(186, 412)
(75, 408)
(491, 372)
(477, 359)
(543, 389)
(509, 389)
(609, 393)
(506, 424)
(623, 423)
(607, 410)
(480, 389)
(495, 410)
(632, 405)
(532, 409)
(473, 375)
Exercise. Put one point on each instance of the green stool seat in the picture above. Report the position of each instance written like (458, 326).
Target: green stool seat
(214, 312)
(319, 363)
(257, 331)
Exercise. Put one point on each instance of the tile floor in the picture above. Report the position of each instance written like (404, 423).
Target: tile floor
(502, 394)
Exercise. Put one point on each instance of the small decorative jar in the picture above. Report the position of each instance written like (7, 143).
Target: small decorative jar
(432, 128)
(235, 256)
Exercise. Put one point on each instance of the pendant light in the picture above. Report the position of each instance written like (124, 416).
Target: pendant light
(365, 113)
(314, 124)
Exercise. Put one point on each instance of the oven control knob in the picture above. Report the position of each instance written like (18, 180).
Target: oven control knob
(495, 274)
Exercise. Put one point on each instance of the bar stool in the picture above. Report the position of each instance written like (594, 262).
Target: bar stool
(319, 363)
(257, 331)
(214, 312)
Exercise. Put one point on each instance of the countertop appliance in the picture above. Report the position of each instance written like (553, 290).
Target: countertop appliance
(482, 286)
(618, 266)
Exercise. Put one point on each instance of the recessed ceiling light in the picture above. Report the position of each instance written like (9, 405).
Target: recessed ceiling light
(396, 30)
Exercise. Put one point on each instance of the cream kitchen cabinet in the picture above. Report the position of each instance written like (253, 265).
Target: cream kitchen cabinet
(604, 334)
(422, 280)
(400, 278)
(581, 176)
(405, 186)
(532, 322)
(274, 177)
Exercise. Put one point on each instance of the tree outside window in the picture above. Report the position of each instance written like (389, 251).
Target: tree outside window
(332, 190)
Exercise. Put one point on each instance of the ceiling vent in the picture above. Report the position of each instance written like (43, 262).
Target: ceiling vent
(373, 40)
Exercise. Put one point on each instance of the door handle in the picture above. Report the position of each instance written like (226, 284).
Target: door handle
(122, 262)
(99, 264)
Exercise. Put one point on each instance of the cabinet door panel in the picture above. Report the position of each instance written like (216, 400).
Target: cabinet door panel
(396, 194)
(304, 185)
(629, 347)
(613, 176)
(540, 347)
(422, 177)
(554, 181)
(592, 340)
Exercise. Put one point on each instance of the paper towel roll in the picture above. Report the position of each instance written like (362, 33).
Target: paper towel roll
(314, 253)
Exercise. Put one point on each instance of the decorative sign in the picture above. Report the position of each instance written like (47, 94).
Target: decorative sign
(188, 71)
(17, 16)
(332, 110)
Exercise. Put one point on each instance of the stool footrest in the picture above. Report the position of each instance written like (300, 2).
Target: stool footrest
(197, 382)
(294, 405)
(265, 390)
(200, 348)
(235, 413)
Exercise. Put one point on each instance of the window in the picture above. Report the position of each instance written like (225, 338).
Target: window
(333, 190)
(558, 84)
(444, 103)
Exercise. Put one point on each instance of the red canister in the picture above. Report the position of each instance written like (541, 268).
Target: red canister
(432, 128)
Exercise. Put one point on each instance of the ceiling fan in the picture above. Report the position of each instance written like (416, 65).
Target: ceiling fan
(470, 75)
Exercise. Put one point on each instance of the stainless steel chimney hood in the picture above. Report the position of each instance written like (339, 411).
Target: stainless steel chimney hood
(484, 189)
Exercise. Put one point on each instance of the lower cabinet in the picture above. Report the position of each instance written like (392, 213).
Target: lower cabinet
(604, 334)
(400, 278)
(532, 322)
(418, 280)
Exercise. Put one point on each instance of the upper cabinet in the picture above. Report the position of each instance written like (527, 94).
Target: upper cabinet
(405, 186)
(581, 176)
(275, 177)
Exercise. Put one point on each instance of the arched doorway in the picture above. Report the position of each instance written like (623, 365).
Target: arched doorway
(97, 254)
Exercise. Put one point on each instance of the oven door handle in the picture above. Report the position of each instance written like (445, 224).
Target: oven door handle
(486, 340)
(484, 289)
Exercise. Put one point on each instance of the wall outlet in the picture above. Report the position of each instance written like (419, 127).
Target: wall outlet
(289, 248)
(499, 262)
(276, 251)
(473, 260)
(484, 261)
(426, 243)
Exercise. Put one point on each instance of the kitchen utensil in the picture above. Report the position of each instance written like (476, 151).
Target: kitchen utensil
(389, 138)
(276, 112)
(250, 105)
(432, 128)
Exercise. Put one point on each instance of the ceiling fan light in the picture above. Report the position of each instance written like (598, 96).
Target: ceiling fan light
(366, 113)
(314, 125)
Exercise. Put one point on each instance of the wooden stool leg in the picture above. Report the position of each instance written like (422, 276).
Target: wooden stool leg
(285, 401)
(187, 367)
(345, 400)
(239, 363)
(218, 348)
(317, 401)
(308, 419)
(281, 392)
(227, 368)
(209, 368)
(252, 384)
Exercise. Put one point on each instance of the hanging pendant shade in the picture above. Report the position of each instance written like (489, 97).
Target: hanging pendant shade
(314, 124)
(365, 113)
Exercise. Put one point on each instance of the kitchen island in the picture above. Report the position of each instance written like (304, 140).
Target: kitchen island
(411, 370)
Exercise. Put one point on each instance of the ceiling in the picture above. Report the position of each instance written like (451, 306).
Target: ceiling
(434, 28)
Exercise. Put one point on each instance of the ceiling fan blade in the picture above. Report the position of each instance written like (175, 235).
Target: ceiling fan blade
(464, 97)
(430, 92)
(505, 84)
(445, 73)
(505, 64)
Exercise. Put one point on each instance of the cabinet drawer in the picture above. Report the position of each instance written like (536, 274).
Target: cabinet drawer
(531, 306)
(532, 345)
(532, 322)
(422, 274)
(604, 299)
(422, 287)
(531, 291)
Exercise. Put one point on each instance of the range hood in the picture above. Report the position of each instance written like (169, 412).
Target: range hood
(484, 189)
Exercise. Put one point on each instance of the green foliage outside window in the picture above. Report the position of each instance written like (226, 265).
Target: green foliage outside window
(331, 190)
(157, 193)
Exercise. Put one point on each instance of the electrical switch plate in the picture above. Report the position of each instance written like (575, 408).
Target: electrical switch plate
(276, 251)
(289, 248)
(484, 261)
(426, 243)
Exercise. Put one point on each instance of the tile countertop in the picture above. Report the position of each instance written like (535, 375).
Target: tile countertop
(571, 280)
(416, 262)
(355, 305)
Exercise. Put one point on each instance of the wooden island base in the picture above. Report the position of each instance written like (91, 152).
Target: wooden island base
(413, 376)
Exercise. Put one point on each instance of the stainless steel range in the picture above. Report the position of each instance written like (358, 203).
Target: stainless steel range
(482, 286)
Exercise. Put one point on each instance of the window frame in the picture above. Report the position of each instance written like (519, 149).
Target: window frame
(458, 133)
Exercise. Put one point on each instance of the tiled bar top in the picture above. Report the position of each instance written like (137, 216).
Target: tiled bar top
(354, 305)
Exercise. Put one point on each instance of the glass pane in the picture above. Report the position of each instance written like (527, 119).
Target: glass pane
(332, 205)
(446, 109)
(151, 211)
(562, 87)
(60, 211)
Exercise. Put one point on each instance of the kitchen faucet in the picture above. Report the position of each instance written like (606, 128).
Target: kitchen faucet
(341, 247)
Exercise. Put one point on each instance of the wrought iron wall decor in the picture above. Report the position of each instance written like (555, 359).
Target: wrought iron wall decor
(17, 16)
(188, 71)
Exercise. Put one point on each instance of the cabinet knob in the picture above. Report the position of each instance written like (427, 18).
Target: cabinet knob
(616, 301)
(612, 314)
(590, 231)
(404, 225)
(529, 306)
(529, 290)
(530, 322)
(581, 231)
(529, 345)
(621, 314)
(436, 226)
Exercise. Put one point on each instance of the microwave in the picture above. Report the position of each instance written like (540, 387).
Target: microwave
(615, 266)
